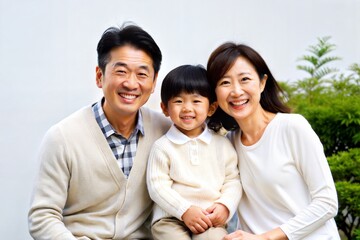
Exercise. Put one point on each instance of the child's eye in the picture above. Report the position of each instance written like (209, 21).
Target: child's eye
(244, 79)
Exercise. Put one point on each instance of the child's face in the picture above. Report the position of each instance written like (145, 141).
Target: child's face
(189, 111)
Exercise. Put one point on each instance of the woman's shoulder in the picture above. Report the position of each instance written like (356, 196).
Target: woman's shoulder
(291, 119)
(293, 123)
(289, 116)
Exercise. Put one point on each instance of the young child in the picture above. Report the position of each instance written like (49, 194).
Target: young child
(192, 173)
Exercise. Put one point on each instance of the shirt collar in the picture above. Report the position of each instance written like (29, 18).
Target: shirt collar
(177, 137)
(105, 125)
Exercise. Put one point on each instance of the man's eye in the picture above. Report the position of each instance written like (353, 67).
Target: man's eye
(142, 74)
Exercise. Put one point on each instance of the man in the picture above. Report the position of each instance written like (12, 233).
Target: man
(92, 179)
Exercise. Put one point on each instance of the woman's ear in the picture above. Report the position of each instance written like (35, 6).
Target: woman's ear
(263, 82)
(212, 108)
(164, 109)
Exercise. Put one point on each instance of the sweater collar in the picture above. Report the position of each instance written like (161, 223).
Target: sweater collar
(177, 137)
(105, 125)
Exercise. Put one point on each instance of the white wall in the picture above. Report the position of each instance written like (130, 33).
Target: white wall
(48, 59)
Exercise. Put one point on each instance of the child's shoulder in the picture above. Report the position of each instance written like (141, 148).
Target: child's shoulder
(220, 138)
(161, 141)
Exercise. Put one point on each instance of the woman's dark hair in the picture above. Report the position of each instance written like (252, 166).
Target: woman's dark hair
(188, 79)
(132, 35)
(221, 60)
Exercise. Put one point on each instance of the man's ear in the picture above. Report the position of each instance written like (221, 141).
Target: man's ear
(99, 77)
(154, 83)
(212, 108)
(164, 109)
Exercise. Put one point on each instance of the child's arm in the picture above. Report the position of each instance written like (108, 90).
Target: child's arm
(231, 190)
(196, 219)
(160, 189)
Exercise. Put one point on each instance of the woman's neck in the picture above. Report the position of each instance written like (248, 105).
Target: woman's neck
(253, 127)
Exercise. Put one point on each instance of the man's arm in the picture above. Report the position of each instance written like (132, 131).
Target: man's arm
(50, 190)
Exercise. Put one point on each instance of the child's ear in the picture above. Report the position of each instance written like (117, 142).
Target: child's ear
(164, 109)
(212, 108)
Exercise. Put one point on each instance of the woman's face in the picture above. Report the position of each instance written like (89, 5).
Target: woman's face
(238, 91)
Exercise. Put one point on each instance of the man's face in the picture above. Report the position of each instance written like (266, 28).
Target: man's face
(127, 83)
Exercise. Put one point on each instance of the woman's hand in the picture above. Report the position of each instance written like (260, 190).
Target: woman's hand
(241, 235)
(275, 234)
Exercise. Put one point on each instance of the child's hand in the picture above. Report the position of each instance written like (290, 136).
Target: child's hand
(218, 214)
(196, 220)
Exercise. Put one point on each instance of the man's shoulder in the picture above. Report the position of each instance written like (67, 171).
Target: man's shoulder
(79, 115)
(155, 123)
(151, 112)
(75, 121)
(153, 117)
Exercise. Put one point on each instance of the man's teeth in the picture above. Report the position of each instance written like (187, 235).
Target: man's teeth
(127, 96)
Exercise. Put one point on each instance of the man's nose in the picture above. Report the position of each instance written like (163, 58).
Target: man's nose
(131, 82)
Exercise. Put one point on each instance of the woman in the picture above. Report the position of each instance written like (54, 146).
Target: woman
(288, 190)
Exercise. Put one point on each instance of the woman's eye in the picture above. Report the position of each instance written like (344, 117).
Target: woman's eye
(221, 83)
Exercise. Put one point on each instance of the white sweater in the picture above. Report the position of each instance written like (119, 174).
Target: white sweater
(287, 182)
(199, 171)
(81, 193)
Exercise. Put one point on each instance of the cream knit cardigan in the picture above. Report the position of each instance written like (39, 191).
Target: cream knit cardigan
(81, 193)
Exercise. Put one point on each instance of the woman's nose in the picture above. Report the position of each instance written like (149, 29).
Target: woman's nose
(237, 90)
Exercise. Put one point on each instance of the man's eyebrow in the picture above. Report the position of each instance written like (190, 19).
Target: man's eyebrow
(145, 67)
(119, 64)
(122, 64)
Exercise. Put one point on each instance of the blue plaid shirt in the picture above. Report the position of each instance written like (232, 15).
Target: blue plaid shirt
(123, 149)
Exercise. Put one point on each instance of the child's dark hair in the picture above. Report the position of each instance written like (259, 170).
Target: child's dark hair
(188, 79)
